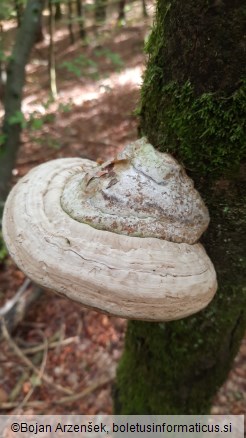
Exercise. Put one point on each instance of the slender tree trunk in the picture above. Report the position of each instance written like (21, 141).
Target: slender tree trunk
(52, 62)
(3, 74)
(193, 106)
(19, 11)
(122, 15)
(70, 22)
(145, 13)
(40, 32)
(100, 10)
(13, 93)
(80, 15)
(58, 11)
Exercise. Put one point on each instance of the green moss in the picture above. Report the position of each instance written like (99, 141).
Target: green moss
(203, 132)
(200, 41)
(193, 106)
(193, 101)
(177, 367)
(3, 249)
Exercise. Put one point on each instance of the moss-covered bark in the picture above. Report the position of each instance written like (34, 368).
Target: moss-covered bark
(13, 119)
(193, 105)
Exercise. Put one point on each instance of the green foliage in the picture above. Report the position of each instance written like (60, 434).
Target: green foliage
(3, 249)
(18, 119)
(2, 139)
(206, 132)
(8, 9)
(83, 66)
(21, 2)
(5, 9)
(113, 57)
(37, 122)
(51, 142)
(3, 57)
(65, 107)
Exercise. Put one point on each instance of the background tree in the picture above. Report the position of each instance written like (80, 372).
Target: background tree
(100, 10)
(19, 11)
(58, 10)
(121, 13)
(70, 21)
(80, 17)
(193, 106)
(13, 119)
(145, 13)
(52, 62)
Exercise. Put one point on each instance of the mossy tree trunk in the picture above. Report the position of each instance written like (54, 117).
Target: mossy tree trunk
(193, 106)
(13, 118)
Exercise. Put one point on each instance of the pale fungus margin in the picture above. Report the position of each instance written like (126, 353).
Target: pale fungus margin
(120, 238)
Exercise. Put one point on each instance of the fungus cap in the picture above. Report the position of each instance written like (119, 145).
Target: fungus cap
(155, 278)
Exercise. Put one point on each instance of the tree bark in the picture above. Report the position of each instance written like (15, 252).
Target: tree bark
(70, 21)
(52, 61)
(145, 13)
(13, 93)
(100, 10)
(58, 11)
(19, 11)
(3, 74)
(193, 106)
(80, 15)
(121, 14)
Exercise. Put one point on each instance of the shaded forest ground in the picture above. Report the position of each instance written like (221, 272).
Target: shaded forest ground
(94, 117)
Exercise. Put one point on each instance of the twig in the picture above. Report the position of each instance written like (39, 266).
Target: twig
(11, 303)
(28, 363)
(40, 376)
(17, 389)
(12, 405)
(87, 391)
(14, 310)
(64, 400)
(54, 344)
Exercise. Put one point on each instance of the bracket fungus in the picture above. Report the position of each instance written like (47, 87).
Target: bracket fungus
(121, 238)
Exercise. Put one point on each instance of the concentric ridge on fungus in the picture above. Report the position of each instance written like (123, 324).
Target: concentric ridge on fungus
(141, 192)
(148, 279)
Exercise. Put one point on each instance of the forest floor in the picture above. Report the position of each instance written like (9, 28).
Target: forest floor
(75, 351)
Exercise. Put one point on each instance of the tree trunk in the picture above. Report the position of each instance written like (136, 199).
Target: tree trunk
(100, 10)
(70, 21)
(13, 93)
(193, 106)
(121, 14)
(52, 61)
(145, 13)
(19, 11)
(3, 73)
(58, 11)
(81, 18)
